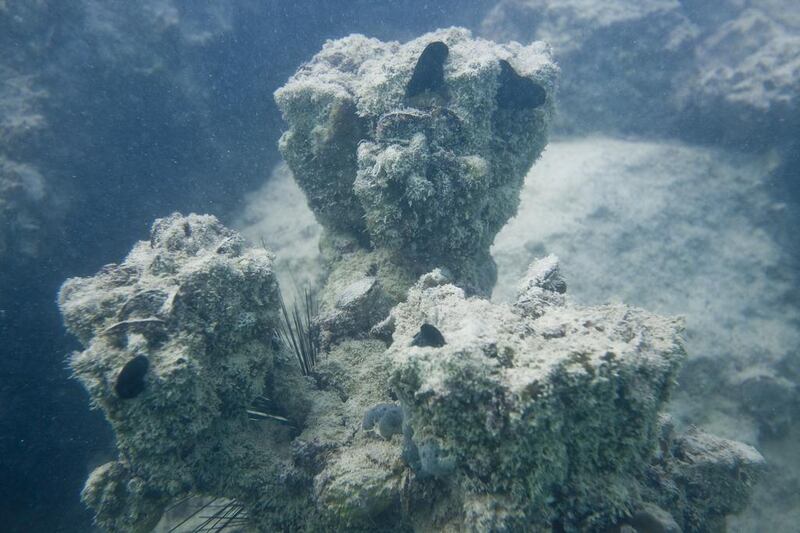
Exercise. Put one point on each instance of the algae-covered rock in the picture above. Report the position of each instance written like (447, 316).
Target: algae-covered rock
(550, 415)
(420, 147)
(357, 306)
(385, 418)
(716, 475)
(542, 287)
(700, 478)
(120, 499)
(176, 347)
(363, 483)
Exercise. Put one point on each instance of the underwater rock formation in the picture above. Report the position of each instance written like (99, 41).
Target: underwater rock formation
(726, 74)
(462, 415)
(699, 477)
(543, 417)
(521, 418)
(745, 79)
(419, 149)
(177, 345)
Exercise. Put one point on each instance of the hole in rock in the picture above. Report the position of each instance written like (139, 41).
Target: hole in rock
(518, 92)
(428, 76)
(130, 381)
(428, 335)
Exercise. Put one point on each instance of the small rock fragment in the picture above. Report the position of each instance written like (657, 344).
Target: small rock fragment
(356, 292)
(542, 287)
(650, 518)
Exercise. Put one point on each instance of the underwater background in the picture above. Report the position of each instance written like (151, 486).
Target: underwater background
(671, 182)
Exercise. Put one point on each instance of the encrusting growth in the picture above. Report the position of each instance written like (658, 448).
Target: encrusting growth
(419, 150)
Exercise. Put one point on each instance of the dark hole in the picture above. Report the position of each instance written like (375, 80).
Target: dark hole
(518, 92)
(429, 73)
(428, 336)
(130, 381)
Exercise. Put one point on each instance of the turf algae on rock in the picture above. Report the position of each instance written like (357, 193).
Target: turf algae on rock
(543, 412)
(449, 125)
(194, 310)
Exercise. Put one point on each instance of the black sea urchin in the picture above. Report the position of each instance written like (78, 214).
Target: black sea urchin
(298, 331)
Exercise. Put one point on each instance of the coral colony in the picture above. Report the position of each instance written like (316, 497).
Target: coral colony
(407, 401)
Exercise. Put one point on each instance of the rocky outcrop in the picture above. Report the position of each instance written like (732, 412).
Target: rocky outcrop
(527, 419)
(541, 419)
(392, 142)
(177, 346)
(724, 75)
(743, 83)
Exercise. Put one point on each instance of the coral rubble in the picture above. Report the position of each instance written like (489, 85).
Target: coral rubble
(430, 408)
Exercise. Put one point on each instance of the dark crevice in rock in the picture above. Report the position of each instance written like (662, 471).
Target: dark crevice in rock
(428, 336)
(428, 77)
(518, 92)
(130, 381)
